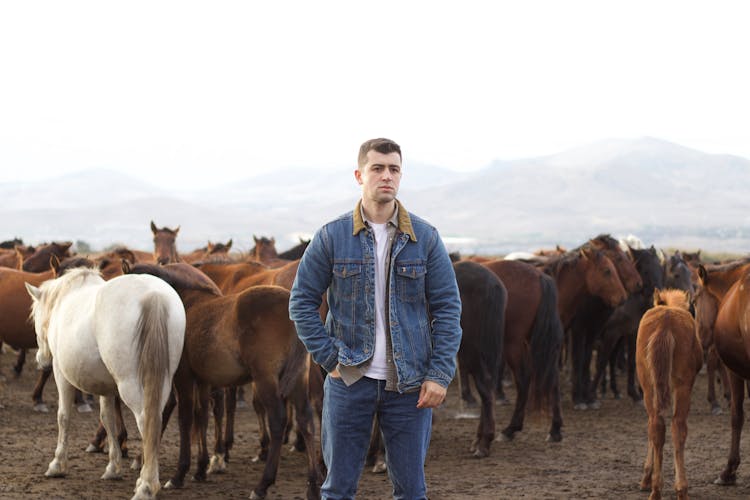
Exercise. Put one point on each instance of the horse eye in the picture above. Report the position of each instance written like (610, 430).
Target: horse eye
(607, 272)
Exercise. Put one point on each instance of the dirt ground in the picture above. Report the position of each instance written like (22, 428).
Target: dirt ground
(600, 456)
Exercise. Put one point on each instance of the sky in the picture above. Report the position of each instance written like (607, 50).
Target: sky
(203, 93)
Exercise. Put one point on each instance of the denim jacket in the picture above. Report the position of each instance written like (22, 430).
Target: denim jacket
(424, 307)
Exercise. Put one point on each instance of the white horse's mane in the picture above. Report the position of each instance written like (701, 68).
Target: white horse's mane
(52, 290)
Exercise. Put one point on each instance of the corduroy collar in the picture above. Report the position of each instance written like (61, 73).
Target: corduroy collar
(404, 221)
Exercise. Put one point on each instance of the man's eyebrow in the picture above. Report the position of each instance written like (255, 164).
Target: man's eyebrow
(386, 165)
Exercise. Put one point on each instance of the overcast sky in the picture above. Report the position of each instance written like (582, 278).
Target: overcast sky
(208, 92)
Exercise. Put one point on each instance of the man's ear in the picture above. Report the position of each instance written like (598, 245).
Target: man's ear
(358, 176)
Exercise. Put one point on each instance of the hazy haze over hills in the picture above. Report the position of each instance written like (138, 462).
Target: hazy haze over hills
(666, 194)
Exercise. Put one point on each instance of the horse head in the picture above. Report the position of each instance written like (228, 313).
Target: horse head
(677, 274)
(165, 248)
(39, 261)
(601, 277)
(622, 261)
(265, 248)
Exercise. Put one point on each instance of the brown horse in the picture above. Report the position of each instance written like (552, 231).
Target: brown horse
(668, 358)
(212, 252)
(12, 258)
(165, 247)
(39, 261)
(483, 301)
(726, 289)
(232, 340)
(265, 251)
(532, 342)
(15, 304)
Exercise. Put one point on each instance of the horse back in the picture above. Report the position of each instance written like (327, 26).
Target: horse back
(732, 327)
(15, 306)
(524, 292)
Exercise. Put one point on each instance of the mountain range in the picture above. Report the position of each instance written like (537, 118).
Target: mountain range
(665, 193)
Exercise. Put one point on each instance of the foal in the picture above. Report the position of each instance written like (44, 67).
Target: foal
(668, 357)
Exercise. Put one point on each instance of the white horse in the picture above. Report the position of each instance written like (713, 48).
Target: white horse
(119, 337)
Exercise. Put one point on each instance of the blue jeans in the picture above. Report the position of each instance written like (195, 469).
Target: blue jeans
(345, 433)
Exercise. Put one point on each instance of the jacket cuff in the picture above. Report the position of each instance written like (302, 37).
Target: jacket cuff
(439, 377)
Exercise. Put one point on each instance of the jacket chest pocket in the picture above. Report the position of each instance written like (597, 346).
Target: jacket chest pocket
(410, 279)
(347, 280)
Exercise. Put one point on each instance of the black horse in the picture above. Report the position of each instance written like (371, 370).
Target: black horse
(483, 302)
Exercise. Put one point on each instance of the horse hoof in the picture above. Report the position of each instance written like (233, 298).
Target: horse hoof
(505, 438)
(111, 475)
(379, 468)
(725, 482)
(480, 453)
(84, 408)
(256, 496)
(595, 405)
(41, 408)
(581, 406)
(169, 485)
(217, 465)
(241, 404)
(502, 401)
(554, 438)
(94, 449)
(716, 410)
(136, 464)
(54, 471)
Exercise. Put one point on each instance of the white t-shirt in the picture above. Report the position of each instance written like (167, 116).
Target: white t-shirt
(378, 367)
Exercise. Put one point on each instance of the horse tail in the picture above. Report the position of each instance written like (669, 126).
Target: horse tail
(545, 342)
(659, 355)
(492, 330)
(153, 366)
(295, 365)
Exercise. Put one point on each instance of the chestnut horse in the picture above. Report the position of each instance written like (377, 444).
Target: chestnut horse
(531, 343)
(483, 301)
(232, 340)
(212, 252)
(165, 247)
(726, 290)
(39, 261)
(265, 251)
(668, 358)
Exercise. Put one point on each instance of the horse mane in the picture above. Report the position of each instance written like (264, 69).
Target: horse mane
(53, 289)
(557, 263)
(179, 275)
(728, 266)
(672, 297)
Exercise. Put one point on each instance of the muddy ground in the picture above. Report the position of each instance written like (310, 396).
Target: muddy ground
(600, 456)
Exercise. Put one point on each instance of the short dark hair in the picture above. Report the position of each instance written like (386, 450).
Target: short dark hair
(381, 145)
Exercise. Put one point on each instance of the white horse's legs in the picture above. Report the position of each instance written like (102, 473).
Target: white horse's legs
(59, 465)
(107, 414)
(147, 485)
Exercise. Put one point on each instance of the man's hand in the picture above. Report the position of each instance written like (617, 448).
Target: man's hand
(335, 373)
(431, 395)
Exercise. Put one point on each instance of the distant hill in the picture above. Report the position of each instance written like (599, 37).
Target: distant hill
(665, 193)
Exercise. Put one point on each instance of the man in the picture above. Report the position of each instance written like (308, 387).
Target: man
(392, 331)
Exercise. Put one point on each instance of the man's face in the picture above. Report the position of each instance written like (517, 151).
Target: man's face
(380, 176)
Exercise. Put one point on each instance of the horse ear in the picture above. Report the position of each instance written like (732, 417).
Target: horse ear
(657, 297)
(65, 245)
(54, 264)
(702, 275)
(153, 227)
(229, 244)
(583, 253)
(19, 259)
(125, 265)
(177, 230)
(255, 238)
(273, 240)
(34, 292)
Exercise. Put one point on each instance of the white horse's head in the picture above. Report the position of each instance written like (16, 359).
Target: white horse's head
(40, 315)
(43, 301)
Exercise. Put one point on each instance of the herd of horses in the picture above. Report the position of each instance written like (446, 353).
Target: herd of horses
(538, 317)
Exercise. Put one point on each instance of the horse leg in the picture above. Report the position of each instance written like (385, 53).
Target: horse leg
(633, 391)
(648, 463)
(657, 431)
(217, 464)
(96, 445)
(231, 409)
(107, 421)
(577, 359)
(20, 360)
(376, 451)
(604, 358)
(266, 392)
(500, 396)
(737, 387)
(588, 395)
(66, 393)
(36, 395)
(81, 404)
(183, 386)
(555, 431)
(486, 426)
(260, 413)
(463, 379)
(306, 429)
(201, 422)
(519, 365)
(679, 435)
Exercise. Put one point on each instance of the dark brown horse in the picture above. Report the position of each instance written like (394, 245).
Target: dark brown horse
(726, 289)
(532, 342)
(296, 251)
(165, 246)
(232, 340)
(668, 358)
(39, 261)
(483, 301)
(591, 315)
(212, 252)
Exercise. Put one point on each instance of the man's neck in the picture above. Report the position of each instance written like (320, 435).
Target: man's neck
(379, 213)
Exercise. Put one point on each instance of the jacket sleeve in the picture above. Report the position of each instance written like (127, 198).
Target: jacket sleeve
(312, 281)
(444, 302)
